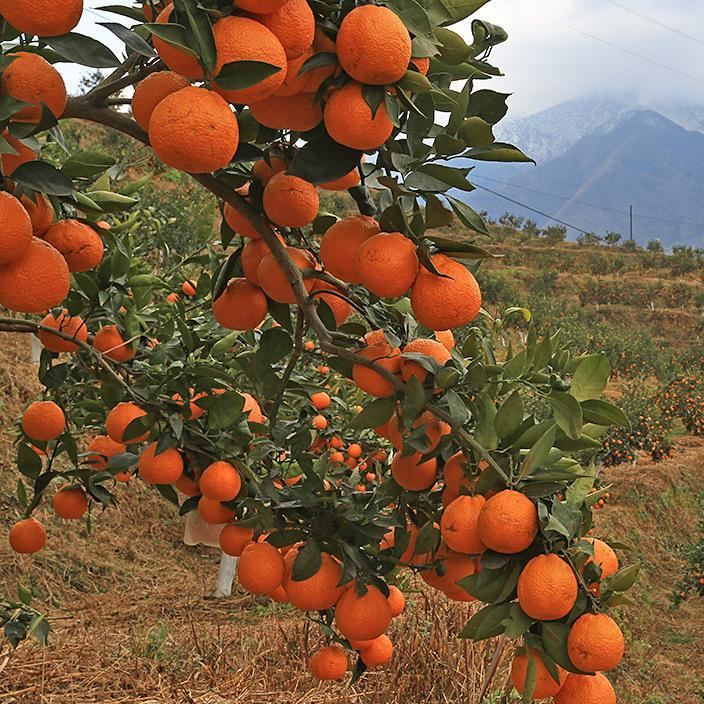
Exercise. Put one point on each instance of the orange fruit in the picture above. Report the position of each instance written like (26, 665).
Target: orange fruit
(586, 689)
(263, 170)
(253, 409)
(241, 306)
(412, 474)
(340, 246)
(36, 281)
(22, 154)
(296, 82)
(220, 481)
(433, 429)
(27, 536)
(459, 525)
(362, 617)
(259, 7)
(373, 45)
(605, 558)
(239, 223)
(173, 298)
(275, 282)
(320, 422)
(16, 233)
(293, 25)
(378, 652)
(151, 91)
(32, 79)
(252, 255)
(350, 122)
(454, 474)
(448, 301)
(344, 183)
(545, 685)
(234, 539)
(100, 450)
(187, 486)
(244, 39)
(430, 348)
(188, 288)
(508, 522)
(178, 60)
(299, 112)
(319, 592)
(194, 410)
(369, 380)
(67, 324)
(355, 450)
(110, 342)
(547, 588)
(341, 309)
(290, 201)
(214, 512)
(445, 338)
(45, 18)
(40, 212)
(163, 468)
(456, 566)
(119, 419)
(322, 44)
(396, 600)
(421, 64)
(43, 421)
(70, 503)
(595, 643)
(194, 130)
(329, 663)
(388, 264)
(79, 244)
(261, 568)
(320, 400)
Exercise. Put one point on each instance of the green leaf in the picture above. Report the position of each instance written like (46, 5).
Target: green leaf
(44, 178)
(468, 216)
(307, 562)
(243, 74)
(623, 580)
(604, 413)
(174, 34)
(319, 60)
(374, 415)
(538, 454)
(83, 50)
(485, 431)
(448, 175)
(489, 105)
(199, 30)
(509, 416)
(555, 643)
(486, 623)
(130, 38)
(460, 9)
(322, 160)
(414, 82)
(28, 461)
(568, 413)
(88, 163)
(499, 151)
(591, 377)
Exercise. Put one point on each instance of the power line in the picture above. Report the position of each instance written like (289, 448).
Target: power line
(607, 42)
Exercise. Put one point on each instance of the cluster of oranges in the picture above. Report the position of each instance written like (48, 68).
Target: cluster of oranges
(646, 434)
(683, 399)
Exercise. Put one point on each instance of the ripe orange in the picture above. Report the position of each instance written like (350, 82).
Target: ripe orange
(396, 600)
(412, 474)
(263, 170)
(43, 421)
(244, 39)
(329, 663)
(340, 246)
(45, 18)
(459, 525)
(163, 468)
(151, 91)
(36, 281)
(457, 566)
(110, 342)
(508, 522)
(27, 536)
(275, 282)
(454, 474)
(214, 512)
(239, 223)
(259, 7)
(362, 617)
(320, 591)
(296, 82)
(261, 568)
(433, 429)
(442, 303)
(355, 450)
(187, 486)
(40, 212)
(16, 232)
(445, 338)
(22, 154)
(422, 64)
(194, 130)
(119, 419)
(370, 380)
(194, 410)
(373, 45)
(344, 183)
(321, 44)
(178, 60)
(67, 324)
(545, 685)
(100, 450)
(378, 652)
(606, 559)
(188, 288)
(290, 201)
(320, 400)
(241, 306)
(547, 588)
(595, 643)
(388, 264)
(252, 255)
(299, 112)
(252, 408)
(350, 122)
(234, 539)
(79, 244)
(429, 348)
(70, 503)
(320, 422)
(586, 689)
(220, 481)
(293, 25)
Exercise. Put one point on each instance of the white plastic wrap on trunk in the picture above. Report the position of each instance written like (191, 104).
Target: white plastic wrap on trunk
(36, 349)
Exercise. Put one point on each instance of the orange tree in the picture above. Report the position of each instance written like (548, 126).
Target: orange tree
(360, 417)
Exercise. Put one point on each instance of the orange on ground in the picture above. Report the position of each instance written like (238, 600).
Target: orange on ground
(370, 380)
(290, 201)
(362, 617)
(275, 282)
(299, 112)
(427, 347)
(508, 522)
(442, 303)
(244, 39)
(595, 643)
(36, 281)
(459, 525)
(340, 246)
(176, 58)
(241, 306)
(259, 7)
(40, 211)
(396, 600)
(377, 653)
(163, 468)
(320, 591)
(239, 223)
(263, 170)
(234, 539)
(214, 512)
(320, 400)
(27, 536)
(79, 244)
(388, 264)
(261, 568)
(70, 503)
(194, 130)
(412, 474)
(220, 481)
(119, 419)
(373, 45)
(100, 450)
(545, 685)
(43, 421)
(350, 122)
(586, 689)
(547, 588)
(293, 25)
(66, 324)
(110, 342)
(16, 231)
(22, 154)
(45, 18)
(151, 91)
(329, 663)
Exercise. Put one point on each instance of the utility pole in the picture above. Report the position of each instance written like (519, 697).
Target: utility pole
(631, 210)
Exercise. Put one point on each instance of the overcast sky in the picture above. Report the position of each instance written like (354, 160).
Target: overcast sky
(546, 62)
